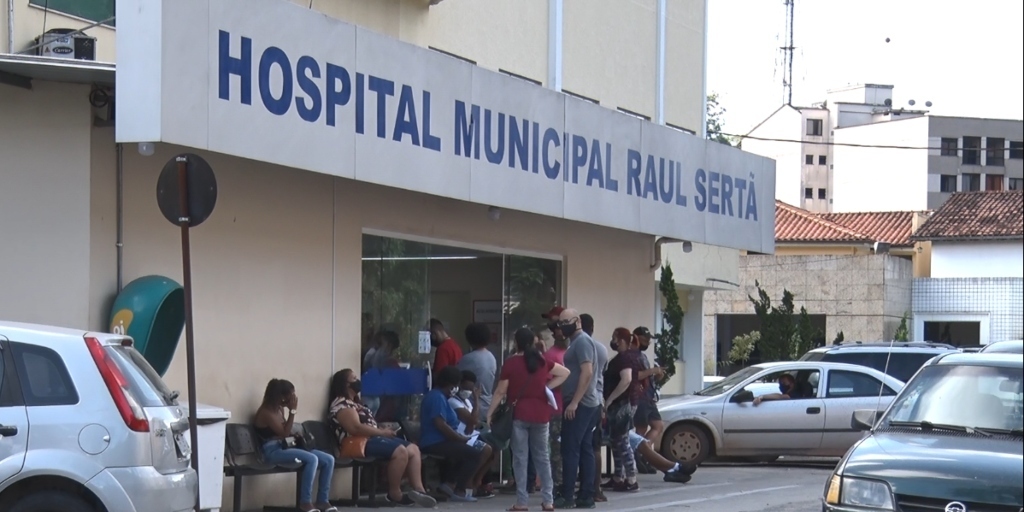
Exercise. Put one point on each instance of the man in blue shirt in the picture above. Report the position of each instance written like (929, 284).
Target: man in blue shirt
(439, 436)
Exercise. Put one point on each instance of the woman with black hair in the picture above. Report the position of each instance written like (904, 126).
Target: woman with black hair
(282, 446)
(526, 379)
(351, 418)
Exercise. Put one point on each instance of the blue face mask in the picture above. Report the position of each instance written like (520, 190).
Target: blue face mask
(783, 388)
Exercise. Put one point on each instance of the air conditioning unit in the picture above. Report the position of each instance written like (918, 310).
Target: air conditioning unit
(64, 43)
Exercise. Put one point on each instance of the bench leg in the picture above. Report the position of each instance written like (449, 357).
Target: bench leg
(237, 497)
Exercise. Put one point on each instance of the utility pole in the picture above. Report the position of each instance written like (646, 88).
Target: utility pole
(787, 80)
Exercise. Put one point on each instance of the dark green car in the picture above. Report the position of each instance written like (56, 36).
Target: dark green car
(951, 441)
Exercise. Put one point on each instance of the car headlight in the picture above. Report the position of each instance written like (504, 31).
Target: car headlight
(857, 492)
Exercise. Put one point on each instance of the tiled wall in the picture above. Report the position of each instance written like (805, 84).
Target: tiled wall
(864, 296)
(1001, 298)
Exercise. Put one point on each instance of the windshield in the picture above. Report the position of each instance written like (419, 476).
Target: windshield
(724, 385)
(975, 397)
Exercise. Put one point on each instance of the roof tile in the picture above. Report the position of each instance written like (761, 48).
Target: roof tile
(796, 225)
(977, 215)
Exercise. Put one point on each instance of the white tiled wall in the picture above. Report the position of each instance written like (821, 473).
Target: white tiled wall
(1001, 299)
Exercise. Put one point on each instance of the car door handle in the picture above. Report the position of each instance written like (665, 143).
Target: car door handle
(813, 410)
(8, 431)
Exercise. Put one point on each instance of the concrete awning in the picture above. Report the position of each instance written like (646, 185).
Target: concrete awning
(21, 70)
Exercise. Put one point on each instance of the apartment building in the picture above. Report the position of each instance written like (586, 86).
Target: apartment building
(858, 152)
(346, 143)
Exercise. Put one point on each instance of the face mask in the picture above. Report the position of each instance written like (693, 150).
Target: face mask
(455, 391)
(615, 346)
(356, 386)
(783, 388)
(568, 329)
(465, 394)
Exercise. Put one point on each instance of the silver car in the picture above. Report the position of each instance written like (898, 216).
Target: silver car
(722, 420)
(86, 425)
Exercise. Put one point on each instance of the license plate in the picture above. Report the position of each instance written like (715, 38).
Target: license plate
(184, 450)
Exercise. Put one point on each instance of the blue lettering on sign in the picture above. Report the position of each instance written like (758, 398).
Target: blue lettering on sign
(318, 90)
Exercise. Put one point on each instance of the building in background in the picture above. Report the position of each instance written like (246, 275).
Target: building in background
(852, 271)
(975, 294)
(857, 151)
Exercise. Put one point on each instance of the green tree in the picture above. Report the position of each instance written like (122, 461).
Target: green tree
(902, 332)
(777, 329)
(742, 348)
(715, 123)
(668, 341)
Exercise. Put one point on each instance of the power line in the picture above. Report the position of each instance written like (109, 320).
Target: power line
(855, 145)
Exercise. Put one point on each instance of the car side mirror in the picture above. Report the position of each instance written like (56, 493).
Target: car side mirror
(742, 397)
(864, 419)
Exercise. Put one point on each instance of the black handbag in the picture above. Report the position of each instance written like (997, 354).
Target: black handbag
(501, 420)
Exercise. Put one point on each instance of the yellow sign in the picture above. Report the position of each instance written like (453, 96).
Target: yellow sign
(122, 320)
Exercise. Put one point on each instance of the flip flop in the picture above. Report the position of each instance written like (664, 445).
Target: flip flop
(518, 508)
(548, 508)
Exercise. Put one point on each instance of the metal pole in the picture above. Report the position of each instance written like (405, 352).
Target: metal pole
(190, 357)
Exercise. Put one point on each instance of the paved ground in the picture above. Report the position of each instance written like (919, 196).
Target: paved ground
(784, 487)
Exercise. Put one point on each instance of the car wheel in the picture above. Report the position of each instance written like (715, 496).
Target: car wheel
(51, 501)
(686, 443)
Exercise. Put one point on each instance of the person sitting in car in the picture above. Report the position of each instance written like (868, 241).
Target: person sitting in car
(788, 390)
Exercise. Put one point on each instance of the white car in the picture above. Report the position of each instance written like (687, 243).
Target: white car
(722, 420)
(87, 425)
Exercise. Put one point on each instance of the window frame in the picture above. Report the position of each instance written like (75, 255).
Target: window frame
(822, 159)
(944, 146)
(814, 128)
(808, 159)
(1016, 150)
(822, 193)
(944, 180)
(965, 179)
(19, 350)
(1015, 184)
(995, 156)
(971, 154)
(808, 193)
(884, 388)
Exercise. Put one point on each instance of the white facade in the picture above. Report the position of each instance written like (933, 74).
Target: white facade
(874, 156)
(977, 259)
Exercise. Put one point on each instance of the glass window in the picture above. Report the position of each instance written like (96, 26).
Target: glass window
(971, 182)
(821, 193)
(808, 193)
(994, 151)
(947, 183)
(44, 378)
(994, 182)
(1016, 150)
(981, 397)
(729, 382)
(806, 383)
(814, 127)
(809, 159)
(845, 384)
(948, 147)
(822, 160)
(972, 151)
(1015, 184)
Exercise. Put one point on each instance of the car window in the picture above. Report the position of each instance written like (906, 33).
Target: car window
(847, 384)
(806, 382)
(44, 378)
(902, 365)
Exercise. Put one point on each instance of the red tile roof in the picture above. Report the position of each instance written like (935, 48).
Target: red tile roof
(892, 227)
(977, 215)
(796, 225)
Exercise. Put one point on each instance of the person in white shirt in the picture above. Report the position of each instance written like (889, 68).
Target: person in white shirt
(465, 401)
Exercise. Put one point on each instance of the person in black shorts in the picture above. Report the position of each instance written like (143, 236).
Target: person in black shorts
(647, 419)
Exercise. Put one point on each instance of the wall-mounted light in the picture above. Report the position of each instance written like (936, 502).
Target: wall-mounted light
(147, 148)
(687, 246)
(494, 213)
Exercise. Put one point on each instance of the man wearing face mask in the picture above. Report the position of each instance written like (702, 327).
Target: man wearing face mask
(582, 404)
(439, 436)
(647, 419)
(556, 355)
(787, 390)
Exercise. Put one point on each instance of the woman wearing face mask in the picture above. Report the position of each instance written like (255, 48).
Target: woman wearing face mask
(350, 417)
(526, 379)
(623, 391)
(281, 446)
(466, 403)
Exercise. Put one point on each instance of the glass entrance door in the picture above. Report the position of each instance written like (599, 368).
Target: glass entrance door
(532, 288)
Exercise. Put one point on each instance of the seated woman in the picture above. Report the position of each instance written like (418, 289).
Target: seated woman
(439, 436)
(466, 404)
(351, 418)
(281, 446)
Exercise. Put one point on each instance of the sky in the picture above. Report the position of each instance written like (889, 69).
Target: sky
(967, 58)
